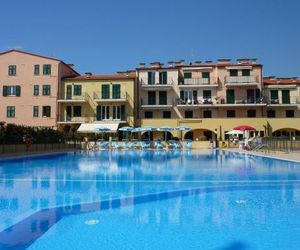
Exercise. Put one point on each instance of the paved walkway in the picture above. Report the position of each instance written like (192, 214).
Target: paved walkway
(291, 156)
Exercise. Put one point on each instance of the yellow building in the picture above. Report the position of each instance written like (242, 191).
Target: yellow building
(89, 100)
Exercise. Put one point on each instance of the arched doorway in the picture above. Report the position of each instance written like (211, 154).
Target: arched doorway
(199, 135)
(287, 133)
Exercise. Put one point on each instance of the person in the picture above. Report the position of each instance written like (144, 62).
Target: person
(211, 145)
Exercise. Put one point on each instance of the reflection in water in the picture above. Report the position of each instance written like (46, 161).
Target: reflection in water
(49, 189)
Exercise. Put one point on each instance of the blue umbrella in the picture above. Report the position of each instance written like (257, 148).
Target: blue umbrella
(126, 129)
(165, 129)
(182, 128)
(102, 129)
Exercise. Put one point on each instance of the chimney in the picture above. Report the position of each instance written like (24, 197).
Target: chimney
(155, 64)
(171, 64)
(197, 62)
(142, 65)
(253, 61)
(179, 63)
(243, 61)
(88, 73)
(208, 62)
(224, 61)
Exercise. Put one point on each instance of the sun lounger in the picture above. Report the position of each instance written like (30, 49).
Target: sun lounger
(188, 144)
(158, 145)
(103, 144)
(114, 145)
(133, 144)
(145, 144)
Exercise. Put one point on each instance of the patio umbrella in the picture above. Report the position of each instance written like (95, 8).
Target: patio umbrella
(234, 132)
(165, 129)
(102, 129)
(244, 128)
(182, 128)
(127, 130)
(138, 130)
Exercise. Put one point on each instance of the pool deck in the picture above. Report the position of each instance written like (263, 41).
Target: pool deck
(290, 156)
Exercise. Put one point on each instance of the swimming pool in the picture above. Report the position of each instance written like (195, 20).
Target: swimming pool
(149, 200)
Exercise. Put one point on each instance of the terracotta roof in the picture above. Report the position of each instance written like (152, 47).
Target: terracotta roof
(103, 77)
(46, 57)
(280, 81)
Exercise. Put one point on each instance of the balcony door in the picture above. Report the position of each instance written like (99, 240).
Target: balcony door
(274, 96)
(151, 98)
(230, 99)
(163, 77)
(69, 92)
(68, 113)
(163, 97)
(105, 91)
(116, 91)
(286, 97)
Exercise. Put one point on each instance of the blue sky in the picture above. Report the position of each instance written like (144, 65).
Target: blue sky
(108, 36)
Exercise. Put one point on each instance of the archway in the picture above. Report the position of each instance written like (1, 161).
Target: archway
(200, 135)
(287, 133)
(157, 135)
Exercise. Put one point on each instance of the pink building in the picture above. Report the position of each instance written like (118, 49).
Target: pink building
(29, 86)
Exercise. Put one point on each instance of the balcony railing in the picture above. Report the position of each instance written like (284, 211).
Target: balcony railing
(169, 83)
(288, 101)
(157, 103)
(75, 98)
(198, 81)
(241, 79)
(103, 96)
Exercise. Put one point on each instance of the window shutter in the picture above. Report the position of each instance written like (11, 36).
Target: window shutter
(122, 112)
(18, 90)
(98, 113)
(182, 95)
(4, 90)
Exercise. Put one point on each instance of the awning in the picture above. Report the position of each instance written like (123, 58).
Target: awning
(94, 127)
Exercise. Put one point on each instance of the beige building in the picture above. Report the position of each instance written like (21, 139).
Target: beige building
(30, 85)
(211, 98)
(90, 100)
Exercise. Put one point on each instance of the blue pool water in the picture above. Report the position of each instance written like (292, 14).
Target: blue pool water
(149, 200)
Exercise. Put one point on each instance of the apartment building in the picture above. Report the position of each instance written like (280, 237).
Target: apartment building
(29, 85)
(211, 98)
(88, 101)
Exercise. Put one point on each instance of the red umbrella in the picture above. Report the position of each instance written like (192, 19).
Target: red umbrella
(244, 128)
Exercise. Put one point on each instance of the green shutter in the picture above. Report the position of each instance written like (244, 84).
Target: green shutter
(69, 92)
(98, 113)
(105, 91)
(187, 75)
(116, 88)
(4, 90)
(122, 112)
(285, 97)
(18, 90)
(230, 96)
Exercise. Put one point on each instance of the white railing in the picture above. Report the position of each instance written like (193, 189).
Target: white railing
(197, 81)
(241, 79)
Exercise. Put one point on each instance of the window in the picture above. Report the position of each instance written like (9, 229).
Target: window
(77, 90)
(116, 91)
(69, 92)
(230, 113)
(35, 111)
(36, 90)
(205, 75)
(148, 114)
(206, 94)
(36, 69)
(163, 97)
(151, 97)
(47, 69)
(46, 111)
(188, 114)
(230, 99)
(188, 96)
(233, 72)
(163, 77)
(245, 72)
(47, 89)
(286, 97)
(151, 78)
(274, 97)
(104, 112)
(166, 114)
(12, 90)
(271, 113)
(77, 111)
(251, 113)
(207, 114)
(187, 75)
(289, 113)
(116, 112)
(12, 70)
(10, 111)
(105, 91)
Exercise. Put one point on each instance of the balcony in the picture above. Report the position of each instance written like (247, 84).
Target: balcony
(76, 120)
(217, 102)
(288, 102)
(199, 82)
(75, 99)
(168, 85)
(156, 105)
(240, 81)
(103, 97)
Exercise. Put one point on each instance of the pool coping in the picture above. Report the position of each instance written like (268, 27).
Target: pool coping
(261, 155)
